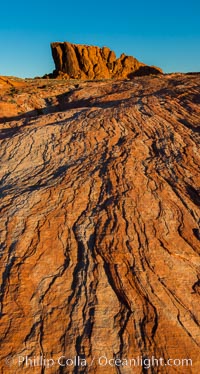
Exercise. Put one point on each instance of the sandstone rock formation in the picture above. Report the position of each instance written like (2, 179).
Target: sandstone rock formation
(89, 62)
(100, 227)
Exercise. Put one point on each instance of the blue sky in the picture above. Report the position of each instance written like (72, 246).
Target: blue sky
(162, 33)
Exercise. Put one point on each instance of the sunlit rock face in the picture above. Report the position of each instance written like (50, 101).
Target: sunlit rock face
(100, 226)
(90, 62)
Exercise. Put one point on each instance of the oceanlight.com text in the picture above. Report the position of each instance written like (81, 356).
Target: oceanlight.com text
(102, 361)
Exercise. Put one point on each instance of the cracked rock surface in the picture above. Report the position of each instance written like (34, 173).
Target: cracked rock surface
(100, 236)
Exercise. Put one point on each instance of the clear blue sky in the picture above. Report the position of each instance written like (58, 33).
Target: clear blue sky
(162, 33)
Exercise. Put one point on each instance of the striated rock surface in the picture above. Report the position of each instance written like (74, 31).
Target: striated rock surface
(89, 62)
(100, 235)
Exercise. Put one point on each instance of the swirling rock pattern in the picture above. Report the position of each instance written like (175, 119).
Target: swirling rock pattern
(100, 224)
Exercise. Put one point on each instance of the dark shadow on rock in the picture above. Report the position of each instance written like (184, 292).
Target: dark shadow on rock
(196, 233)
(145, 70)
(194, 194)
(189, 126)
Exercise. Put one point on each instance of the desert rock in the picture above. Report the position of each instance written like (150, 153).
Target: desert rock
(100, 225)
(90, 62)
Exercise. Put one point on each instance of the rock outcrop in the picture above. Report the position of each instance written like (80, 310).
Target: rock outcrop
(89, 62)
(100, 237)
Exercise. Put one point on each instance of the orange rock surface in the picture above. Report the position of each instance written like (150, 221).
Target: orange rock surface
(100, 235)
(90, 62)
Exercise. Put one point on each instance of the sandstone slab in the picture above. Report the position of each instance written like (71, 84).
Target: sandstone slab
(100, 227)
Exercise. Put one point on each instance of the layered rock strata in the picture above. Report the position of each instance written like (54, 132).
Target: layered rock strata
(89, 62)
(100, 237)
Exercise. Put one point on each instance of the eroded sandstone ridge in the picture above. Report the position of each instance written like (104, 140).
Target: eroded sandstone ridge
(100, 235)
(89, 62)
